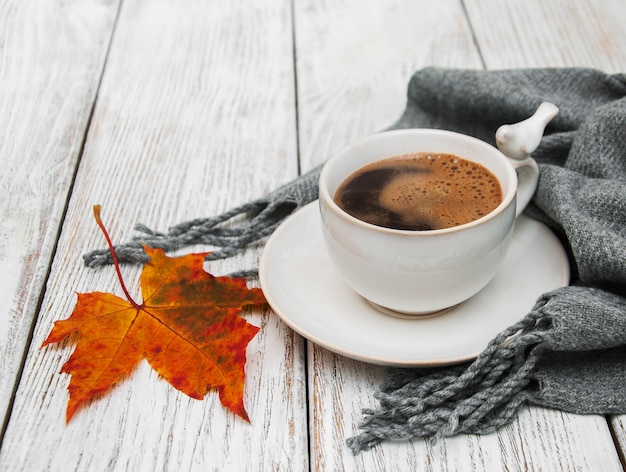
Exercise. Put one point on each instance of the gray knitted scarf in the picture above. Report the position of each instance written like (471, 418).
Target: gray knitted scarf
(570, 351)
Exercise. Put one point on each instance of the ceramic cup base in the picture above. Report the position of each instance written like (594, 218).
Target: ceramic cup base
(410, 316)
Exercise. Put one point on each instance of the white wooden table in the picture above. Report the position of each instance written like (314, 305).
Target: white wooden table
(162, 111)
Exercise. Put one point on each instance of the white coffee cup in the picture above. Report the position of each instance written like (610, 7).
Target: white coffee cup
(421, 272)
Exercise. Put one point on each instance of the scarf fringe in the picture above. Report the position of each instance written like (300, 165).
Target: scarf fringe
(261, 218)
(477, 398)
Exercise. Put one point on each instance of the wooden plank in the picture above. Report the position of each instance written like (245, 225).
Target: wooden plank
(354, 61)
(51, 55)
(560, 33)
(195, 115)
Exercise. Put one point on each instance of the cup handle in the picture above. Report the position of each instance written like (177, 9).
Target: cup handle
(527, 179)
(517, 141)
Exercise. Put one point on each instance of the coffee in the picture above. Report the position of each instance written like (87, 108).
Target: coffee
(420, 191)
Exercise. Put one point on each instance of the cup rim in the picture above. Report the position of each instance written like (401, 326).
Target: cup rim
(324, 193)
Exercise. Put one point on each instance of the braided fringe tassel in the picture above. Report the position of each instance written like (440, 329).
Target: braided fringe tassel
(261, 219)
(476, 399)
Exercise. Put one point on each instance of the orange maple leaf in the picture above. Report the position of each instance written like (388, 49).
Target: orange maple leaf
(187, 328)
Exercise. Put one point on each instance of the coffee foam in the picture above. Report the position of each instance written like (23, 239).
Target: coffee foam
(420, 191)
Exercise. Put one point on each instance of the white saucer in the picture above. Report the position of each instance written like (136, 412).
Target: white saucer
(303, 288)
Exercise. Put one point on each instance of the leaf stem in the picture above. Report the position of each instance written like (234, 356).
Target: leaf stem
(96, 214)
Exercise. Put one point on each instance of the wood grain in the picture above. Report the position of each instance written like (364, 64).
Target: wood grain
(200, 106)
(354, 60)
(195, 114)
(51, 58)
(560, 33)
